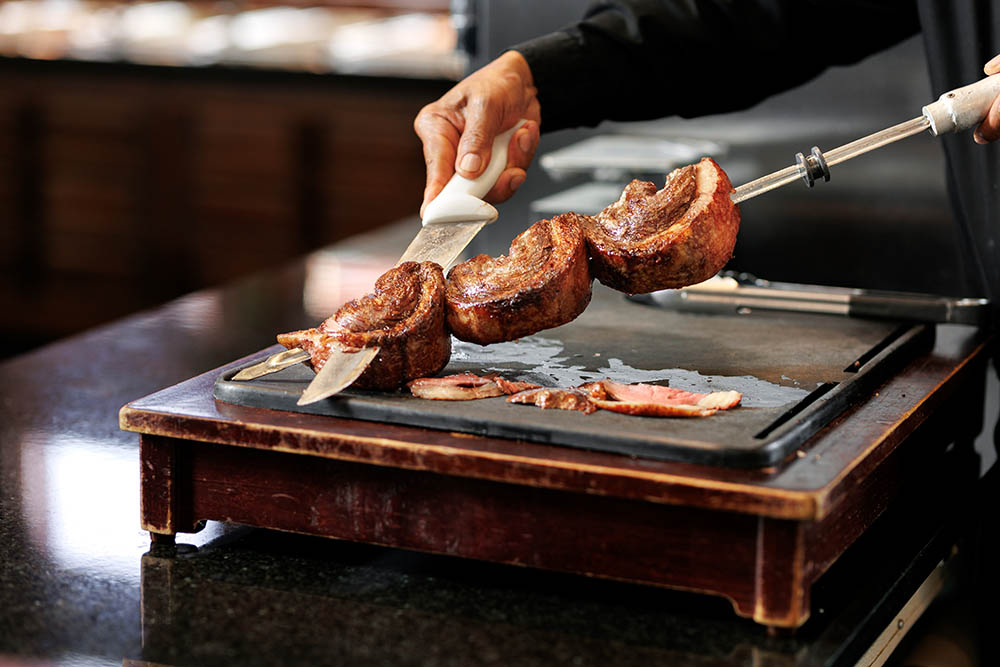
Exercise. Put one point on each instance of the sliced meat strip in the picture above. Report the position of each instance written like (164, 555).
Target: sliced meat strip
(460, 387)
(467, 386)
(651, 400)
(651, 393)
(514, 386)
(542, 283)
(721, 400)
(404, 317)
(561, 399)
(679, 235)
(653, 409)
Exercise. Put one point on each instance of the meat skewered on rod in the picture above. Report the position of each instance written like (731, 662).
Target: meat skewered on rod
(954, 111)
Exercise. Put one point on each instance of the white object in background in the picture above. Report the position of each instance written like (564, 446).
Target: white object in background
(613, 157)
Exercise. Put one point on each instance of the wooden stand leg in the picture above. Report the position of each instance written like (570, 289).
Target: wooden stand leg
(781, 593)
(165, 489)
(165, 539)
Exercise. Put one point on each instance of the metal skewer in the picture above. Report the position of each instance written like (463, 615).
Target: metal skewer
(956, 110)
(817, 164)
(273, 364)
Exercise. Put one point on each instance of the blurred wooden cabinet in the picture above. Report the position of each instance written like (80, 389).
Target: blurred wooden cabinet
(123, 186)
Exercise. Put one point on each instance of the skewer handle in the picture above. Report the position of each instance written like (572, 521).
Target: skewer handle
(964, 107)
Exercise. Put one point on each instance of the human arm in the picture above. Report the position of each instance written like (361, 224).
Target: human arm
(646, 59)
(641, 59)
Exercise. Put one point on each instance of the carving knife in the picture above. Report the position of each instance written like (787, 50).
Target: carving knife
(450, 222)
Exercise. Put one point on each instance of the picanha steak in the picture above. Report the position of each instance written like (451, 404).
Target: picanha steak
(404, 317)
(679, 235)
(543, 282)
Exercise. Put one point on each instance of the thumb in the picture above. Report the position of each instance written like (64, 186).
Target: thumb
(993, 66)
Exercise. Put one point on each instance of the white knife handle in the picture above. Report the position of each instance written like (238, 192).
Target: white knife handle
(964, 107)
(461, 199)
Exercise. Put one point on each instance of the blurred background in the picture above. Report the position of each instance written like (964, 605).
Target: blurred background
(148, 149)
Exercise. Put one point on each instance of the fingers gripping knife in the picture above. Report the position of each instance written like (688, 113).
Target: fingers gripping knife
(450, 222)
(957, 110)
(453, 218)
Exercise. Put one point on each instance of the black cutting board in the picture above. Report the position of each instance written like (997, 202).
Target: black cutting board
(796, 372)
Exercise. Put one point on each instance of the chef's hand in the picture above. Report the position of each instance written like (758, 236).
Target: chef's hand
(989, 130)
(458, 130)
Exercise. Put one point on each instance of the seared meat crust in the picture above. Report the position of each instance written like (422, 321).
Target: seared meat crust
(543, 282)
(404, 317)
(653, 239)
(559, 399)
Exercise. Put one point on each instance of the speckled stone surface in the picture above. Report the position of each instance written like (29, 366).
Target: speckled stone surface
(80, 585)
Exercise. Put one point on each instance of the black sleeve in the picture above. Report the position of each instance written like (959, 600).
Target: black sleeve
(642, 59)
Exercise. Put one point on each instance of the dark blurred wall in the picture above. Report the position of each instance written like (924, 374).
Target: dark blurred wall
(122, 186)
(501, 23)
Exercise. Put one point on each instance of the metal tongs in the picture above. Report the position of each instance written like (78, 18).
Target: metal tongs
(743, 293)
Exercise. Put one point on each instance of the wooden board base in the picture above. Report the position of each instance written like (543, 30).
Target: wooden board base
(761, 538)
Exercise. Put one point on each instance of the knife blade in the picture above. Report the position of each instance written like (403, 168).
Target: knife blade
(451, 220)
(340, 370)
(449, 224)
(273, 364)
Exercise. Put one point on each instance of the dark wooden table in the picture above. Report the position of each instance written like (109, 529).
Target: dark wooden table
(79, 578)
(570, 510)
